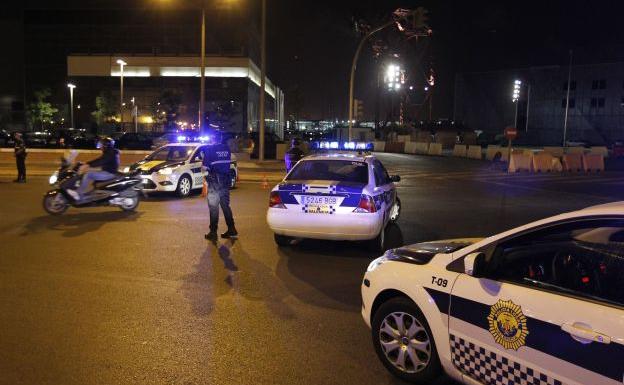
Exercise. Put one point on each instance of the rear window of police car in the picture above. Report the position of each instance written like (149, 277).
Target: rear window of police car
(338, 170)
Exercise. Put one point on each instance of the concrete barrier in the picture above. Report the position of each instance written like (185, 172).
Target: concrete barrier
(435, 149)
(379, 146)
(593, 162)
(542, 162)
(404, 138)
(474, 152)
(575, 150)
(600, 150)
(422, 148)
(280, 151)
(554, 151)
(410, 147)
(491, 151)
(519, 162)
(396, 147)
(460, 150)
(572, 162)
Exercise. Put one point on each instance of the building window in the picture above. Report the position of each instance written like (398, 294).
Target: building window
(601, 102)
(622, 101)
(571, 105)
(572, 85)
(593, 102)
(599, 84)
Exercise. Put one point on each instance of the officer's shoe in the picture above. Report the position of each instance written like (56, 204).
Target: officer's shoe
(231, 233)
(211, 236)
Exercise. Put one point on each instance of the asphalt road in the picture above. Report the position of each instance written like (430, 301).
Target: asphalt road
(98, 296)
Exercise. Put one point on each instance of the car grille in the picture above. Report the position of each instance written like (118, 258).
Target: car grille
(148, 184)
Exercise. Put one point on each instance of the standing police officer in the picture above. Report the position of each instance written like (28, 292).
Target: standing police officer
(293, 155)
(217, 159)
(20, 158)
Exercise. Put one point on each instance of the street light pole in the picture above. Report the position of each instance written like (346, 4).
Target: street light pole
(121, 67)
(565, 119)
(71, 103)
(202, 72)
(526, 124)
(262, 83)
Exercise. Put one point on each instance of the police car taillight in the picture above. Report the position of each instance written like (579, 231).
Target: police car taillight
(275, 201)
(366, 205)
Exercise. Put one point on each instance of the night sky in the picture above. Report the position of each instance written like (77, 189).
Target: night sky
(311, 43)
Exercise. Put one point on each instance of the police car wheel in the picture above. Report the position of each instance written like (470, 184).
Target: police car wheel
(395, 212)
(282, 240)
(184, 186)
(403, 341)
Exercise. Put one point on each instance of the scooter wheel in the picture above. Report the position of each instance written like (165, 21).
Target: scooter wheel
(130, 203)
(55, 204)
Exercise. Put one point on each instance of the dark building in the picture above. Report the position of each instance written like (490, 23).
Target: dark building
(51, 36)
(483, 101)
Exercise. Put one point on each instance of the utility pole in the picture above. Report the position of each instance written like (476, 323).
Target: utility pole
(71, 103)
(121, 102)
(202, 72)
(565, 119)
(526, 124)
(262, 82)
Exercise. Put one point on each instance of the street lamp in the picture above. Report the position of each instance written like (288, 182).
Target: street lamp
(71, 103)
(121, 67)
(515, 97)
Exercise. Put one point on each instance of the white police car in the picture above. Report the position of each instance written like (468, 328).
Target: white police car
(539, 304)
(335, 196)
(176, 167)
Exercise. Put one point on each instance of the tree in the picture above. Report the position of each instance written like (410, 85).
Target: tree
(105, 108)
(40, 111)
(167, 108)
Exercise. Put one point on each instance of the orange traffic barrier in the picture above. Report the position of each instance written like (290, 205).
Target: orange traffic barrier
(554, 151)
(422, 148)
(519, 162)
(572, 162)
(460, 150)
(542, 162)
(435, 149)
(593, 162)
(204, 192)
(474, 152)
(410, 147)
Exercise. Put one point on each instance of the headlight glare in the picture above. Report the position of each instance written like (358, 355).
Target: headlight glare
(126, 169)
(53, 178)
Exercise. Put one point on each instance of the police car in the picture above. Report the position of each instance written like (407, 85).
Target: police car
(334, 195)
(539, 304)
(176, 167)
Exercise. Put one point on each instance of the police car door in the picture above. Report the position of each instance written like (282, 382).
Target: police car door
(384, 188)
(550, 312)
(195, 166)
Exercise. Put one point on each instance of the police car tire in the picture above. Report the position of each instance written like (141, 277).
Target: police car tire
(282, 240)
(433, 370)
(179, 190)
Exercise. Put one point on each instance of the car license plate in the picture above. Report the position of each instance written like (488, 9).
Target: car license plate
(318, 200)
(318, 209)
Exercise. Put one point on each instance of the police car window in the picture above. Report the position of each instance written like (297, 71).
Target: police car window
(171, 153)
(199, 155)
(338, 170)
(584, 258)
(381, 175)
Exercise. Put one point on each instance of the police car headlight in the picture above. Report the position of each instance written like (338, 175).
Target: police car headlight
(126, 169)
(53, 178)
(377, 262)
(166, 170)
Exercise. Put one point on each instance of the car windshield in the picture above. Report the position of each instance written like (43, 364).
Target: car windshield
(172, 153)
(338, 170)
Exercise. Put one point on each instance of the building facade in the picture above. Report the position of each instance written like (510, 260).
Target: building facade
(483, 101)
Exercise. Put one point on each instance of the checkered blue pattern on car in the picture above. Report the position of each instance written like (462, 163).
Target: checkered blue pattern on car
(319, 189)
(304, 208)
(492, 369)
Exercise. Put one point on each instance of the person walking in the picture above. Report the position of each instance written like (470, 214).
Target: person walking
(217, 159)
(20, 158)
(293, 155)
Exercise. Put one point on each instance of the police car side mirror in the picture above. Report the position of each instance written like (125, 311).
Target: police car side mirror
(395, 178)
(474, 264)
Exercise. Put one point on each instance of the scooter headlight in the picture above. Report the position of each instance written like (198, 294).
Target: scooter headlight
(53, 178)
(126, 169)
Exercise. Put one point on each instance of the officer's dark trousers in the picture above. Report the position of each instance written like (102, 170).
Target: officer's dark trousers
(219, 195)
(21, 167)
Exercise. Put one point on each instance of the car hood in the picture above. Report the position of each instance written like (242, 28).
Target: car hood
(422, 253)
(154, 165)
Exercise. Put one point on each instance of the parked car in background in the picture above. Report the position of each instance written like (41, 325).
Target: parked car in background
(5, 138)
(164, 139)
(36, 139)
(134, 141)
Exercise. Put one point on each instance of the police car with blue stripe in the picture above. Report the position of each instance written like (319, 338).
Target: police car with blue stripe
(340, 193)
(540, 304)
(176, 167)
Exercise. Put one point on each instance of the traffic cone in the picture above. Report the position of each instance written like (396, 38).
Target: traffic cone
(265, 182)
(204, 192)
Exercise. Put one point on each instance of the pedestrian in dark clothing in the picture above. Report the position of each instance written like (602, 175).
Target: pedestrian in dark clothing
(20, 158)
(293, 155)
(217, 159)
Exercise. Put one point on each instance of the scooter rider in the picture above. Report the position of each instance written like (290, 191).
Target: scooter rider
(217, 159)
(109, 163)
(293, 155)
